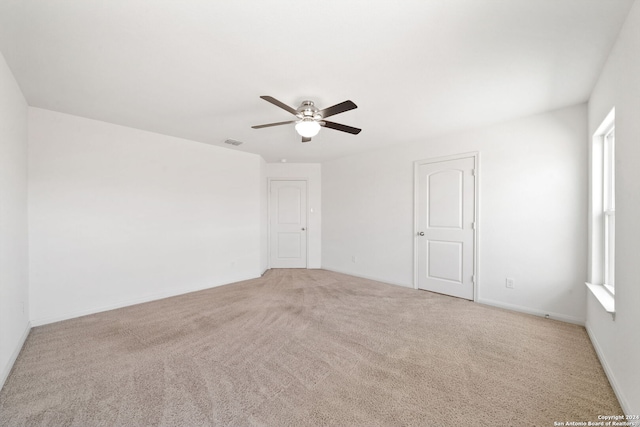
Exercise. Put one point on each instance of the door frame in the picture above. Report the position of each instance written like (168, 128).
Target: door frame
(476, 232)
(269, 180)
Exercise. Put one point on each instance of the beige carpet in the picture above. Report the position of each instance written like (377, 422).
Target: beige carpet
(306, 347)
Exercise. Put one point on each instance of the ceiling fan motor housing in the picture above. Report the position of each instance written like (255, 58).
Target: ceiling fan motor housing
(308, 110)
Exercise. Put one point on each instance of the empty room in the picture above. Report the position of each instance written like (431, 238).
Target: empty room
(280, 213)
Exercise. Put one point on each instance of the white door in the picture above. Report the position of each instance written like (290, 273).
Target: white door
(445, 234)
(288, 224)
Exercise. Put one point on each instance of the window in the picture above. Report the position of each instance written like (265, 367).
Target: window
(609, 208)
(602, 221)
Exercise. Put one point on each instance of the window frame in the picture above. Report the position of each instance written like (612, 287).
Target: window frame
(601, 283)
(608, 208)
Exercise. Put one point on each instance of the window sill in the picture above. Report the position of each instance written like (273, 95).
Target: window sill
(604, 297)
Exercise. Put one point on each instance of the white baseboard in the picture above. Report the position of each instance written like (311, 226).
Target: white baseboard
(134, 301)
(362, 276)
(626, 408)
(533, 311)
(7, 369)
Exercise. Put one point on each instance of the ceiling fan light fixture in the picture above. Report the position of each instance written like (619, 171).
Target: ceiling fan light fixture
(307, 127)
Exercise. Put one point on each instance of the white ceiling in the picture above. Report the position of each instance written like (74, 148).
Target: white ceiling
(196, 68)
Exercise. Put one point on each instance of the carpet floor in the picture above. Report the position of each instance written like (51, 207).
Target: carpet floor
(306, 347)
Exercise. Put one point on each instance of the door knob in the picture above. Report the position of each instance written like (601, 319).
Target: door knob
(421, 233)
(303, 228)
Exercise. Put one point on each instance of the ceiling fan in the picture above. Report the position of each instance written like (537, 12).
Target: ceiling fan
(311, 119)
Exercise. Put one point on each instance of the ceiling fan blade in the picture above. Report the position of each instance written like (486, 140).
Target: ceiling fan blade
(338, 126)
(337, 109)
(305, 139)
(279, 104)
(272, 124)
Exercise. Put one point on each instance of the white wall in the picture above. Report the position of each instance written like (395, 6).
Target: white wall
(264, 215)
(618, 342)
(311, 172)
(14, 294)
(119, 216)
(533, 194)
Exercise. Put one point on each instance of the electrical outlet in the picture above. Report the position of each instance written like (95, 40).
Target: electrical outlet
(510, 283)
(354, 259)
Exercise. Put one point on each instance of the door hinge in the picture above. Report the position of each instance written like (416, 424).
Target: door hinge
(473, 279)
(473, 225)
(473, 172)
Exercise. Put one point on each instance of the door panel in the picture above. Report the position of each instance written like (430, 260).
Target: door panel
(289, 205)
(444, 260)
(289, 245)
(288, 224)
(445, 199)
(445, 239)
